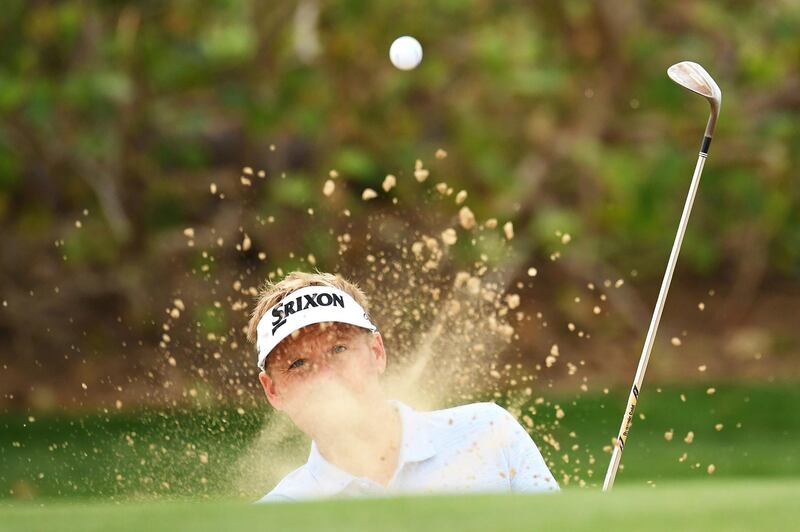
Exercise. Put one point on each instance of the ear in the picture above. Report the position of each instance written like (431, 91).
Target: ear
(378, 351)
(270, 390)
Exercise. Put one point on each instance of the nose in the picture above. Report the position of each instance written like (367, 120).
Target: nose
(325, 366)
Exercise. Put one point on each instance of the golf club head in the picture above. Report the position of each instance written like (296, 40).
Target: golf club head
(694, 77)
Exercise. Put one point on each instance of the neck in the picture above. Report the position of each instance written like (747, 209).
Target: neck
(367, 444)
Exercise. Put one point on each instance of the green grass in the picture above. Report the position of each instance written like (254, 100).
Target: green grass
(758, 438)
(155, 454)
(707, 505)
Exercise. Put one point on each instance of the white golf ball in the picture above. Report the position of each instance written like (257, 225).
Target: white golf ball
(405, 52)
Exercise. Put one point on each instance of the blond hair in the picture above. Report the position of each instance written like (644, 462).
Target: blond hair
(271, 293)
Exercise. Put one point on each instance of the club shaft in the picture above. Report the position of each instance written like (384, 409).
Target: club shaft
(627, 419)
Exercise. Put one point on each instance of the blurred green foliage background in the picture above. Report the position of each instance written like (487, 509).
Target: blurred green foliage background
(557, 115)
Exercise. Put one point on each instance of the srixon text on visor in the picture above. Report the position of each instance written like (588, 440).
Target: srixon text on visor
(281, 312)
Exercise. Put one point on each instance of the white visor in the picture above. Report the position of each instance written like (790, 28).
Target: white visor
(309, 305)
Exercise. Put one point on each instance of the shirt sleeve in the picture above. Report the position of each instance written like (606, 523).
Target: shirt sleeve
(273, 497)
(527, 469)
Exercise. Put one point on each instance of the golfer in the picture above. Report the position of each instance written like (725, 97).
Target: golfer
(321, 359)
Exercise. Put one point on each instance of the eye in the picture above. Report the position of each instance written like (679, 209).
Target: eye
(300, 362)
(339, 348)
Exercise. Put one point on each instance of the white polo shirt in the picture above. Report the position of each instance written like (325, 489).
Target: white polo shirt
(478, 447)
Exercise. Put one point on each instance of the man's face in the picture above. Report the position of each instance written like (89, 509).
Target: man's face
(324, 372)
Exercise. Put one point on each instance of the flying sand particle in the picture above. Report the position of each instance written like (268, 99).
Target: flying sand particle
(389, 182)
(466, 218)
(512, 300)
(474, 285)
(419, 172)
(328, 187)
(368, 194)
(449, 236)
(508, 229)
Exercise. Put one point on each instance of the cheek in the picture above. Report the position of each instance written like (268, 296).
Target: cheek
(306, 389)
(298, 400)
(297, 386)
(291, 391)
(359, 369)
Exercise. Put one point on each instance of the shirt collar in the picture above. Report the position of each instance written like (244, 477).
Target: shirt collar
(416, 446)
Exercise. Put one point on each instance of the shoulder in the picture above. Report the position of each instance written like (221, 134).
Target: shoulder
(294, 486)
(472, 411)
(473, 416)
(485, 428)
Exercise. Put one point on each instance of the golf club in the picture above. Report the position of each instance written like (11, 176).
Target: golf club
(695, 78)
